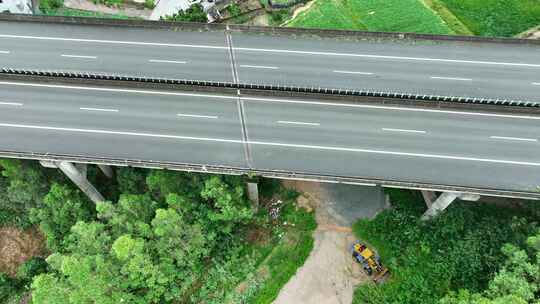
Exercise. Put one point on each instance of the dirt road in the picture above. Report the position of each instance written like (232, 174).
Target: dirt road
(330, 274)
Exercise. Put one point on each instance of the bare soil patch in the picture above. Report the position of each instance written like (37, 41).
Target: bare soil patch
(330, 274)
(533, 33)
(17, 246)
(126, 9)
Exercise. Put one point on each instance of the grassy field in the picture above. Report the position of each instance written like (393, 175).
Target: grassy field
(496, 17)
(449, 18)
(82, 13)
(373, 15)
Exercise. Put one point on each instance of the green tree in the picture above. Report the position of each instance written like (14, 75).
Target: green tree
(164, 182)
(230, 205)
(131, 180)
(27, 181)
(518, 281)
(62, 207)
(23, 185)
(146, 248)
(195, 13)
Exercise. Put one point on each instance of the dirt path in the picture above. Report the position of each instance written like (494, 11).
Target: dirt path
(300, 10)
(88, 5)
(330, 274)
(533, 33)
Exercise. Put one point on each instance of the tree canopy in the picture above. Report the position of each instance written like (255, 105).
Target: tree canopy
(145, 248)
(517, 282)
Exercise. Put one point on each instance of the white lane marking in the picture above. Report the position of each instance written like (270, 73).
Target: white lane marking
(258, 67)
(17, 104)
(298, 123)
(388, 57)
(5, 52)
(79, 56)
(536, 83)
(276, 144)
(403, 130)
(98, 109)
(513, 138)
(197, 116)
(113, 41)
(390, 108)
(231, 98)
(269, 50)
(451, 78)
(352, 72)
(166, 61)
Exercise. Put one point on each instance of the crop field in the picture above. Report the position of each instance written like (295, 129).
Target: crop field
(496, 17)
(373, 15)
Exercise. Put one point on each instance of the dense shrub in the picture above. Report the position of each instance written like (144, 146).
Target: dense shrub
(31, 268)
(459, 249)
(8, 287)
(195, 13)
(149, 4)
(23, 184)
(234, 9)
(517, 282)
(46, 5)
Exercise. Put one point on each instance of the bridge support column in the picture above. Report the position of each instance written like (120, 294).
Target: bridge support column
(444, 200)
(77, 174)
(429, 197)
(253, 193)
(107, 170)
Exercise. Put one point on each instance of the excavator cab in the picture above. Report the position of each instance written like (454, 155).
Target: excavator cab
(370, 261)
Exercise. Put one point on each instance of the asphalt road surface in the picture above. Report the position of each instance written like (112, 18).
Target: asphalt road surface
(482, 70)
(346, 139)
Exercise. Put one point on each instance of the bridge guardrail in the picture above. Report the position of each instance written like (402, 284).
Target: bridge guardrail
(276, 88)
(290, 31)
(281, 174)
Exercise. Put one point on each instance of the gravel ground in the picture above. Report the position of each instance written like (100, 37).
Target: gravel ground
(88, 5)
(330, 274)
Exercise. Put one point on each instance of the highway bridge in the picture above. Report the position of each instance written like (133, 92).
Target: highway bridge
(484, 151)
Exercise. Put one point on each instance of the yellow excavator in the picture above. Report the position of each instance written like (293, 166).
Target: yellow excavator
(370, 261)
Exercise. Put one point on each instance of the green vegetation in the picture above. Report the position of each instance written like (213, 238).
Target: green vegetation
(115, 3)
(70, 12)
(458, 250)
(149, 4)
(195, 13)
(164, 237)
(518, 281)
(449, 18)
(288, 256)
(278, 17)
(234, 9)
(47, 5)
(23, 186)
(496, 17)
(236, 14)
(373, 15)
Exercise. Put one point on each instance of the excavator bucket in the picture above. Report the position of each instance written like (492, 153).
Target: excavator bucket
(382, 276)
